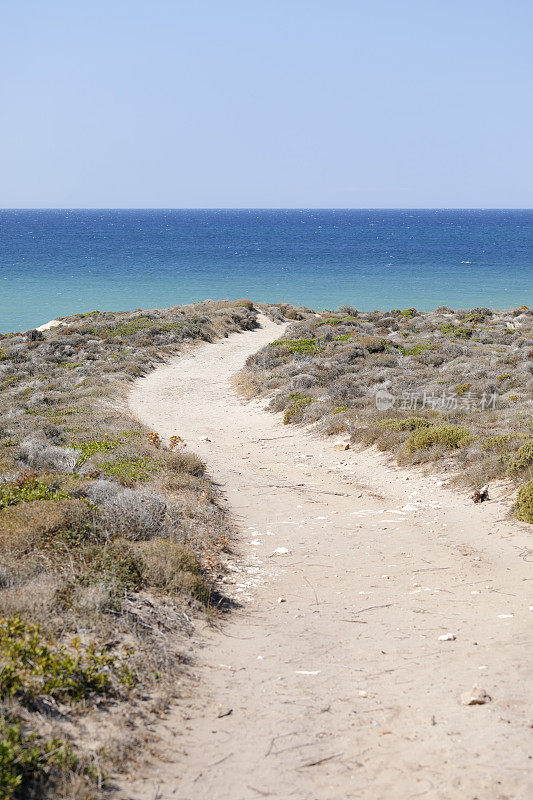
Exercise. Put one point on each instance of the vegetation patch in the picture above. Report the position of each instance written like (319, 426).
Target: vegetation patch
(459, 331)
(327, 321)
(450, 437)
(32, 668)
(174, 568)
(297, 403)
(522, 460)
(524, 503)
(30, 764)
(450, 380)
(105, 530)
(297, 346)
(25, 489)
(132, 469)
(498, 443)
(404, 423)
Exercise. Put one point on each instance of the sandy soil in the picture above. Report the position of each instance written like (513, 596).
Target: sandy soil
(54, 323)
(330, 681)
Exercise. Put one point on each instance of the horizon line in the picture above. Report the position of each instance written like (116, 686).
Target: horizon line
(266, 208)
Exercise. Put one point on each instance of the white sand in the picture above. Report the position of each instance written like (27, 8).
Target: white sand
(54, 323)
(338, 683)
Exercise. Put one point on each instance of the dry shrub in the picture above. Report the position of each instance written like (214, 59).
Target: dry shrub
(174, 568)
(188, 463)
(133, 514)
(244, 304)
(26, 525)
(40, 455)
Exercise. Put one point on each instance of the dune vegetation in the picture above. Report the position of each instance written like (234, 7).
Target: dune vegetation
(109, 538)
(451, 387)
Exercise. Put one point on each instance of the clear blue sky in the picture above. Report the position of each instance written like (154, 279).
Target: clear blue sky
(266, 103)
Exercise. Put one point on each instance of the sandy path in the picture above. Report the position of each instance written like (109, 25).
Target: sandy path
(343, 690)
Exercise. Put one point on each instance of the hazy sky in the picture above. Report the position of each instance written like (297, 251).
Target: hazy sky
(266, 103)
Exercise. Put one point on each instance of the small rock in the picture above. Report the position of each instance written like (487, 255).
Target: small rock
(447, 637)
(281, 600)
(281, 551)
(341, 446)
(224, 712)
(204, 439)
(475, 697)
(362, 693)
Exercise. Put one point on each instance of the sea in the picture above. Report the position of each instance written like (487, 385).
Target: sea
(59, 262)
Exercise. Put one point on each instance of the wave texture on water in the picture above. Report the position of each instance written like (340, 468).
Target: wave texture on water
(59, 262)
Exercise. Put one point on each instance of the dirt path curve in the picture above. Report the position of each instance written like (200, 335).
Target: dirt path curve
(349, 570)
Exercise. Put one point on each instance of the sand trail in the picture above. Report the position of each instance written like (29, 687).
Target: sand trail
(330, 681)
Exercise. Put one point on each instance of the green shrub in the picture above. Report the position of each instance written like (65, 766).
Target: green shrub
(524, 503)
(504, 377)
(415, 350)
(88, 449)
(462, 388)
(27, 488)
(32, 668)
(297, 346)
(28, 762)
(404, 424)
(243, 303)
(522, 459)
(120, 565)
(408, 312)
(125, 329)
(327, 321)
(475, 317)
(498, 442)
(130, 469)
(448, 436)
(459, 331)
(298, 402)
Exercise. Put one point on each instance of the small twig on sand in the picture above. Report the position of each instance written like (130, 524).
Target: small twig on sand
(272, 438)
(430, 569)
(369, 608)
(275, 738)
(321, 760)
(259, 791)
(301, 486)
(214, 764)
(312, 587)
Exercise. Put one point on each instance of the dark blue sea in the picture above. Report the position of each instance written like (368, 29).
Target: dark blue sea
(59, 262)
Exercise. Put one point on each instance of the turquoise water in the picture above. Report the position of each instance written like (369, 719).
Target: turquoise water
(59, 262)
